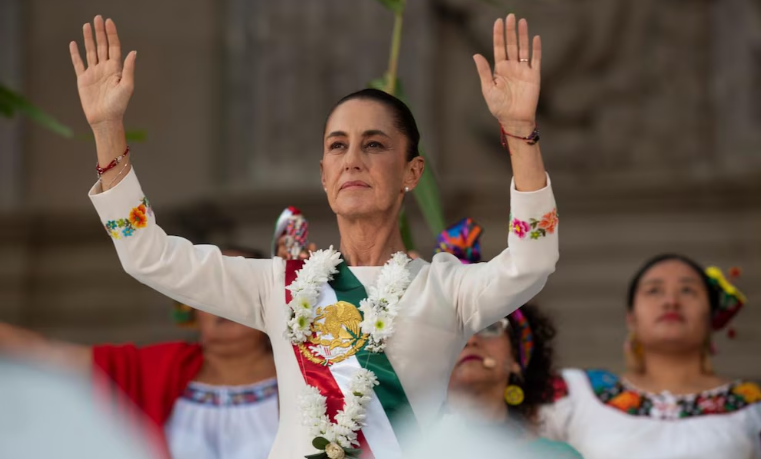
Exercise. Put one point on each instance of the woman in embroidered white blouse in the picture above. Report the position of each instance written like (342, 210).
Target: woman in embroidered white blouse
(365, 347)
(669, 404)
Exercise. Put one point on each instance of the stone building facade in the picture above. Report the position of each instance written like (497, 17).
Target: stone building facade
(651, 130)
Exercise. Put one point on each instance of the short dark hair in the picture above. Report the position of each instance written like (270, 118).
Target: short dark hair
(713, 294)
(403, 119)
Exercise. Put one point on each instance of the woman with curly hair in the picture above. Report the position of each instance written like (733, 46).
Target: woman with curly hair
(505, 372)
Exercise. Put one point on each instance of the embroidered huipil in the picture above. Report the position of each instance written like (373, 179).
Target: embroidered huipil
(444, 305)
(223, 422)
(604, 417)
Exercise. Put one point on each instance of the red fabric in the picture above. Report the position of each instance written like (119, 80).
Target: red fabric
(151, 377)
(320, 375)
(559, 388)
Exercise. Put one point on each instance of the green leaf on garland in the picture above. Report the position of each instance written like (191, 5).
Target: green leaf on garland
(353, 451)
(320, 442)
(317, 456)
(397, 6)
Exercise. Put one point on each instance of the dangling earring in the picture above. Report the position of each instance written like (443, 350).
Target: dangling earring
(514, 394)
(635, 356)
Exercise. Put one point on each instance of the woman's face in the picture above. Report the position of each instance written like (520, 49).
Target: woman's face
(484, 362)
(671, 308)
(222, 336)
(364, 165)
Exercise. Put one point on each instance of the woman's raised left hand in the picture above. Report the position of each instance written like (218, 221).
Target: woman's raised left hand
(512, 91)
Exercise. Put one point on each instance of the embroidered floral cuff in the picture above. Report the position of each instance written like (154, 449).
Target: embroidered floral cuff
(535, 228)
(123, 209)
(125, 227)
(533, 214)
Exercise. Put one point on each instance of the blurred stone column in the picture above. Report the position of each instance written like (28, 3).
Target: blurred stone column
(14, 257)
(288, 62)
(10, 129)
(736, 66)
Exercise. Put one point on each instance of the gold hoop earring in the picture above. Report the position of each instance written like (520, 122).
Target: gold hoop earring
(514, 394)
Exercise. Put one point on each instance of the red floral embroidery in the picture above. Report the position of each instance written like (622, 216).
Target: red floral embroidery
(559, 388)
(137, 217)
(534, 228)
(125, 227)
(520, 228)
(712, 405)
(549, 221)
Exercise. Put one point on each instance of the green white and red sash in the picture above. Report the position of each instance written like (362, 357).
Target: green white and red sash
(389, 412)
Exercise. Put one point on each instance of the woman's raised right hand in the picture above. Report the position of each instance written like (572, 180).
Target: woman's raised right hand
(105, 87)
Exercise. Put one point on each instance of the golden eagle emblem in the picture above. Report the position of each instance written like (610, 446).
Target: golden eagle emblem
(336, 334)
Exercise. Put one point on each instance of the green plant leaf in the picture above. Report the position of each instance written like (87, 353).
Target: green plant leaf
(429, 199)
(404, 227)
(353, 451)
(317, 456)
(378, 83)
(427, 191)
(397, 6)
(320, 442)
(136, 136)
(12, 102)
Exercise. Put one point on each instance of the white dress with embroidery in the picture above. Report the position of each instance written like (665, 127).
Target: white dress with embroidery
(606, 418)
(218, 422)
(445, 304)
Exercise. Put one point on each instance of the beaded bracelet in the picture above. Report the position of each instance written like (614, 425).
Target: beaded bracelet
(532, 138)
(112, 164)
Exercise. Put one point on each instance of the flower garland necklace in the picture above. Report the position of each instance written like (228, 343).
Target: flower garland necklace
(337, 439)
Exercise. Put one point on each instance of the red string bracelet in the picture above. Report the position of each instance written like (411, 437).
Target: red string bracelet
(532, 138)
(112, 164)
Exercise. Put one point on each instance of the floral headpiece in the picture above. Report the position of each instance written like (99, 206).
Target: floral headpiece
(730, 301)
(292, 224)
(461, 240)
(184, 316)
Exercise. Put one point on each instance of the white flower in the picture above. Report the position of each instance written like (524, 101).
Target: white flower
(401, 258)
(305, 313)
(298, 329)
(379, 310)
(363, 380)
(383, 326)
(335, 451)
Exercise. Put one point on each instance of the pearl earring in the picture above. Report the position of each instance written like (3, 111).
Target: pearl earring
(406, 189)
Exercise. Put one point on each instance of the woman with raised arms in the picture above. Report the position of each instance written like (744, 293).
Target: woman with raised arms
(363, 339)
